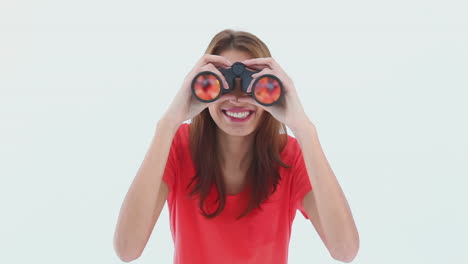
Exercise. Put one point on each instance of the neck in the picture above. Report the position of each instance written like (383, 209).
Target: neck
(235, 150)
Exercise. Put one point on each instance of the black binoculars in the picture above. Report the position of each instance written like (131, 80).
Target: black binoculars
(267, 89)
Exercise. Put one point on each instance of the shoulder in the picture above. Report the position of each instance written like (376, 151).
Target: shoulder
(182, 133)
(292, 149)
(180, 142)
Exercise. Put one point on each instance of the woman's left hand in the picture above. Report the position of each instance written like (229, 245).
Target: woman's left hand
(291, 113)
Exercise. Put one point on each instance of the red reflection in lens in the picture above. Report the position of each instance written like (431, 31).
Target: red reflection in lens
(267, 90)
(207, 87)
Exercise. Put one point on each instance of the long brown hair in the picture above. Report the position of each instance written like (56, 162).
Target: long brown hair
(269, 139)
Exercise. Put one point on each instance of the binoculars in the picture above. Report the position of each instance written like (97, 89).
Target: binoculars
(207, 86)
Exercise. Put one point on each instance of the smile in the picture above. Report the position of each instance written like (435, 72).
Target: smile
(237, 116)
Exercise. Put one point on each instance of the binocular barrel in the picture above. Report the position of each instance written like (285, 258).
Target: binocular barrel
(207, 86)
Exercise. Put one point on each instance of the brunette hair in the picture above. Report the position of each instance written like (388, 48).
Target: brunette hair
(270, 138)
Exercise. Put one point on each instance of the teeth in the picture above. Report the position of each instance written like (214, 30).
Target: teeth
(237, 115)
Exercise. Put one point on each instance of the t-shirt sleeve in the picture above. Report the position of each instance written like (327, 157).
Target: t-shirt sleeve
(171, 168)
(300, 180)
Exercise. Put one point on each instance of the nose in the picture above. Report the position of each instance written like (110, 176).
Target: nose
(238, 89)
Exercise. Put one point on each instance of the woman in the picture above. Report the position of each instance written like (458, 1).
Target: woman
(233, 188)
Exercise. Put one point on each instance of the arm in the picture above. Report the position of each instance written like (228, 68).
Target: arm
(326, 203)
(137, 214)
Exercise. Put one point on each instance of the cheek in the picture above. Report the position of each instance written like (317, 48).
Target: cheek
(260, 112)
(214, 112)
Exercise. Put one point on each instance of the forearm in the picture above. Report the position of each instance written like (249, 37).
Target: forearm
(333, 209)
(135, 216)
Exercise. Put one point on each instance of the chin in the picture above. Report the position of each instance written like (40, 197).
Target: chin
(236, 131)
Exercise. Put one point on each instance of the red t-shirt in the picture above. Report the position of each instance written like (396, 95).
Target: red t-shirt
(257, 238)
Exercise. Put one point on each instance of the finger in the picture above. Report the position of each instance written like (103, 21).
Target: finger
(269, 61)
(216, 60)
(258, 67)
(212, 68)
(262, 72)
(250, 86)
(256, 75)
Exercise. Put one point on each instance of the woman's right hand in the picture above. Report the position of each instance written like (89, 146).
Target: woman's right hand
(185, 106)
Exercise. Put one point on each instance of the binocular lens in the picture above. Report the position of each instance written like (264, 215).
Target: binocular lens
(267, 90)
(207, 87)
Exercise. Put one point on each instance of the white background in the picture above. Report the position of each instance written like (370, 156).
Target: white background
(83, 83)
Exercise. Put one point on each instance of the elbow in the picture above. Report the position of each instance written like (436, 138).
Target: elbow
(347, 258)
(125, 253)
(346, 252)
(126, 257)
